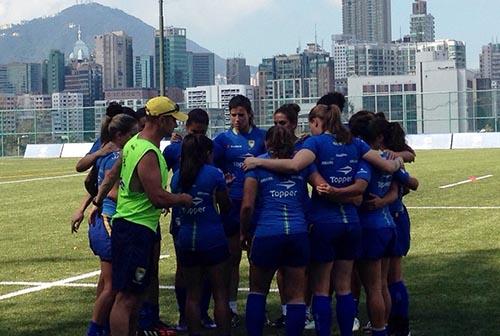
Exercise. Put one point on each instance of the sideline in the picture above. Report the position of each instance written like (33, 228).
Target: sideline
(42, 178)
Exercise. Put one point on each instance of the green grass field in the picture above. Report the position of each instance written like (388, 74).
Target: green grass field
(452, 272)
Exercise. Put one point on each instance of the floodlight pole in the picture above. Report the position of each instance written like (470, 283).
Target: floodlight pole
(162, 54)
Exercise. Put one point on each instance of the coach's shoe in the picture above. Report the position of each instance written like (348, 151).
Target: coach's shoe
(279, 322)
(208, 323)
(235, 320)
(310, 325)
(367, 329)
(356, 325)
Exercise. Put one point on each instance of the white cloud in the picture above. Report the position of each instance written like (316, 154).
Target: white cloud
(14, 11)
(335, 3)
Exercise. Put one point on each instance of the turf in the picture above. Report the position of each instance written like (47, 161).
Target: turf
(452, 271)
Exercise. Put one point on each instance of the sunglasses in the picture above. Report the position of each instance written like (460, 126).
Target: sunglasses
(176, 109)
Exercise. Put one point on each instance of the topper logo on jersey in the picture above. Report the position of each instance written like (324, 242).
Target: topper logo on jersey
(342, 179)
(346, 170)
(195, 209)
(285, 193)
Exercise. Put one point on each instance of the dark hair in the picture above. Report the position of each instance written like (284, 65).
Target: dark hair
(121, 123)
(129, 111)
(291, 112)
(395, 138)
(368, 126)
(113, 109)
(198, 116)
(140, 113)
(242, 101)
(280, 142)
(333, 98)
(196, 149)
(330, 114)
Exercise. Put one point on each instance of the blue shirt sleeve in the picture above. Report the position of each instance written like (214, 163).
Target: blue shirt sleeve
(96, 146)
(170, 157)
(364, 171)
(402, 176)
(219, 151)
(252, 173)
(362, 146)
(220, 181)
(311, 144)
(174, 183)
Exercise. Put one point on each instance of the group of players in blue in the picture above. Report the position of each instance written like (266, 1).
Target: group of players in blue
(250, 192)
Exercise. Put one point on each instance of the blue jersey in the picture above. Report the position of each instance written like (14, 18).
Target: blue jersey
(230, 150)
(279, 208)
(402, 177)
(105, 163)
(338, 164)
(172, 155)
(379, 184)
(200, 225)
(96, 146)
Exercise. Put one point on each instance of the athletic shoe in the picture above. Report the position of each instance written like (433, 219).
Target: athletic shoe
(279, 322)
(181, 326)
(310, 325)
(235, 320)
(356, 325)
(208, 323)
(367, 329)
(157, 332)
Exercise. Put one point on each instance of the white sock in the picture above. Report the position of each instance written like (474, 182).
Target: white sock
(233, 305)
(283, 310)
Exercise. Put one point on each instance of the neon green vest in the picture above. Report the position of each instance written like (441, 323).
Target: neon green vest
(136, 206)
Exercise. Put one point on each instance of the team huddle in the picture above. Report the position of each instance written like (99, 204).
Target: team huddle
(323, 211)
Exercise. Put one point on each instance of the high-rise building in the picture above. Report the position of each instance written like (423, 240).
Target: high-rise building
(299, 77)
(176, 70)
(237, 71)
(67, 117)
(489, 61)
(421, 23)
(114, 53)
(201, 69)
(21, 78)
(367, 20)
(55, 72)
(144, 74)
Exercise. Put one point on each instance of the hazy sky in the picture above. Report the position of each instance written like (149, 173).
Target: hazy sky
(263, 28)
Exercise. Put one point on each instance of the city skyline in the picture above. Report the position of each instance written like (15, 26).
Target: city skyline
(240, 21)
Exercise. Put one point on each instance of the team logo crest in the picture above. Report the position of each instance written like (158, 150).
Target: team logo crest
(140, 273)
(251, 143)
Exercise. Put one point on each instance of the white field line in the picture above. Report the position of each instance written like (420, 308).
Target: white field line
(39, 286)
(41, 178)
(90, 285)
(453, 208)
(48, 285)
(466, 181)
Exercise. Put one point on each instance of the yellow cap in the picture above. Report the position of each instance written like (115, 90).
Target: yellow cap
(163, 105)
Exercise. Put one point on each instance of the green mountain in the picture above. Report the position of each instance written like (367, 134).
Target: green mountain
(31, 41)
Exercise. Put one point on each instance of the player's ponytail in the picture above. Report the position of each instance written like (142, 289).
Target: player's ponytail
(332, 121)
(195, 153)
(121, 123)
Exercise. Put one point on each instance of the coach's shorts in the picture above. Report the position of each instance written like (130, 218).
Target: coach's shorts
(402, 220)
(335, 241)
(231, 220)
(378, 243)
(132, 248)
(100, 236)
(158, 233)
(281, 251)
(214, 256)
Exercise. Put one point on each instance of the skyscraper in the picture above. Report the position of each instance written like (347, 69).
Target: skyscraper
(367, 20)
(176, 58)
(144, 75)
(201, 69)
(21, 78)
(237, 71)
(55, 72)
(114, 53)
(421, 23)
(489, 60)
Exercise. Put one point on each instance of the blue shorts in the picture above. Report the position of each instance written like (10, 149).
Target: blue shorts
(132, 248)
(402, 220)
(281, 251)
(214, 256)
(378, 243)
(231, 221)
(100, 237)
(335, 241)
